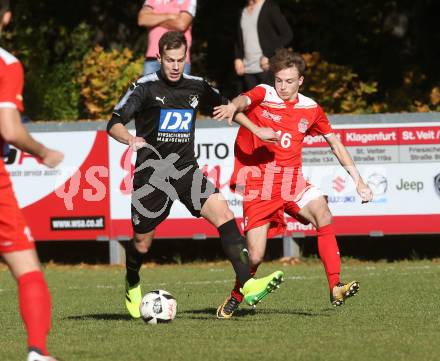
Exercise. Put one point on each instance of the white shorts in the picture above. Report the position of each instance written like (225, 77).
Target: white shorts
(311, 193)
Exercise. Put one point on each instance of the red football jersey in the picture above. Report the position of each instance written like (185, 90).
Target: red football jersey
(14, 233)
(11, 88)
(291, 120)
(11, 81)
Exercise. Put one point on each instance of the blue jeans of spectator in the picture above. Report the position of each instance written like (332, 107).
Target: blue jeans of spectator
(151, 66)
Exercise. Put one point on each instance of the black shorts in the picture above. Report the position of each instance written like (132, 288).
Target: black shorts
(151, 205)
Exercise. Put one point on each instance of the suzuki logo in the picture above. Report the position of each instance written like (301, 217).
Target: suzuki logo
(338, 184)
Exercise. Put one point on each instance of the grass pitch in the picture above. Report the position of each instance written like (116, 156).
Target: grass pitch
(395, 316)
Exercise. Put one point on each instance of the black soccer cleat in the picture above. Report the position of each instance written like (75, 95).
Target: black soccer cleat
(227, 309)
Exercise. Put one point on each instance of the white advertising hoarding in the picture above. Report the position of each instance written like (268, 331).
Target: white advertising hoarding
(401, 163)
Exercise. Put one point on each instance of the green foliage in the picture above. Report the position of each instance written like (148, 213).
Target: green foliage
(422, 101)
(62, 97)
(51, 66)
(384, 48)
(104, 76)
(434, 98)
(336, 87)
(62, 94)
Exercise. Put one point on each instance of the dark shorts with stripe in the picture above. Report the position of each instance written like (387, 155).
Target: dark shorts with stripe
(151, 202)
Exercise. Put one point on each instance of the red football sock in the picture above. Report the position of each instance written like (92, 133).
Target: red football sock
(329, 253)
(34, 300)
(236, 291)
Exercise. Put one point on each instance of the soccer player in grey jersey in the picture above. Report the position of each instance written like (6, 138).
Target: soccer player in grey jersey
(164, 106)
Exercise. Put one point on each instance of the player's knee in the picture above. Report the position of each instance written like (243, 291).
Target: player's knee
(255, 259)
(142, 247)
(225, 216)
(325, 217)
(142, 243)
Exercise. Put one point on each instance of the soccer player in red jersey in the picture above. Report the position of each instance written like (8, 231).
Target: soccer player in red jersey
(16, 244)
(268, 164)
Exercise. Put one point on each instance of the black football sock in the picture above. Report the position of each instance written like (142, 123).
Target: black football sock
(235, 249)
(133, 263)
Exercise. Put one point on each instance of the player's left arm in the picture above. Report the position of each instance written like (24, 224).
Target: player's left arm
(212, 99)
(322, 126)
(347, 162)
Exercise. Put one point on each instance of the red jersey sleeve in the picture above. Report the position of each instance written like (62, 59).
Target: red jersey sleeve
(256, 95)
(11, 86)
(321, 124)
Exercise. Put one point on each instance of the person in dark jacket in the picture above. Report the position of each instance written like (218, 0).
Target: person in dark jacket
(261, 30)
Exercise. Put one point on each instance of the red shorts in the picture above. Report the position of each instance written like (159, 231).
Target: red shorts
(271, 204)
(259, 212)
(15, 235)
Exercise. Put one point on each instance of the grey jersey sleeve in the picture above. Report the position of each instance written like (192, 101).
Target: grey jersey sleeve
(130, 104)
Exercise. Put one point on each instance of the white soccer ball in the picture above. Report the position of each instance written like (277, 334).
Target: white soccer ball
(158, 306)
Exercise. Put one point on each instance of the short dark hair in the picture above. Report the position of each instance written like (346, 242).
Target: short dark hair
(4, 6)
(286, 58)
(172, 40)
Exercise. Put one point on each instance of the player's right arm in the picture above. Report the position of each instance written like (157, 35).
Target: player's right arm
(127, 108)
(265, 134)
(11, 128)
(149, 19)
(14, 132)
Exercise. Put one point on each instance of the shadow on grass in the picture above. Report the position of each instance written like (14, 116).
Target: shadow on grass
(101, 317)
(205, 314)
(208, 313)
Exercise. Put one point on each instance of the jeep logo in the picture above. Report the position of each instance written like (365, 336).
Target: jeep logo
(409, 186)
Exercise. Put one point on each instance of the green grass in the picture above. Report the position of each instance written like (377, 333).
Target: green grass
(395, 316)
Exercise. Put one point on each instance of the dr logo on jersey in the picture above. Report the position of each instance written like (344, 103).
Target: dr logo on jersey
(175, 120)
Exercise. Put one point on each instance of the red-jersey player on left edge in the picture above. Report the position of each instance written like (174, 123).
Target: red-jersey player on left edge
(16, 244)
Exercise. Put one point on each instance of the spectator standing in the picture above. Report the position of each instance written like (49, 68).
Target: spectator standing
(160, 16)
(261, 30)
